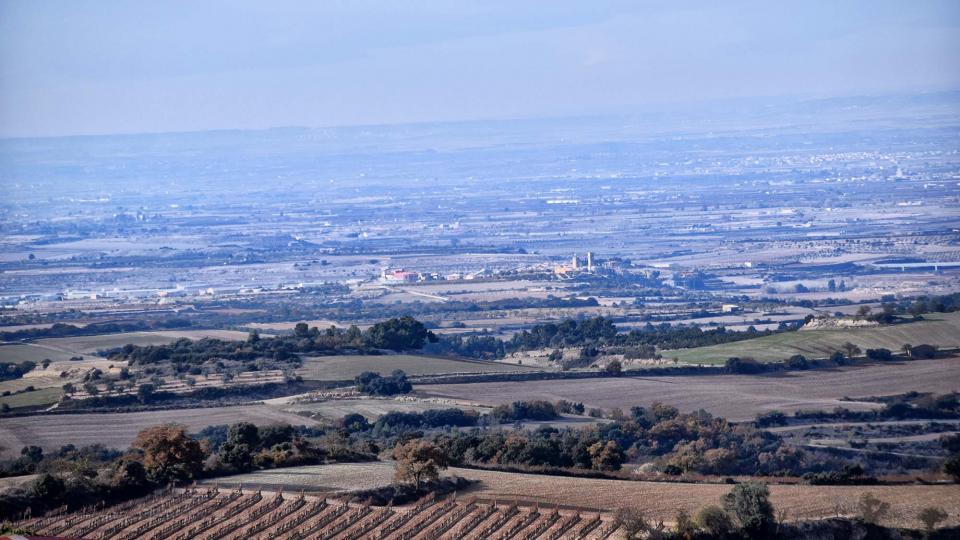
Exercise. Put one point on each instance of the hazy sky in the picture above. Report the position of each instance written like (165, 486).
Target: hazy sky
(104, 66)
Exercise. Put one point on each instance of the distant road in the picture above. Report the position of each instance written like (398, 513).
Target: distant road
(417, 293)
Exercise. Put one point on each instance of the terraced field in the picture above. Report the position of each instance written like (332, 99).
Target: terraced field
(48, 382)
(344, 367)
(942, 329)
(211, 514)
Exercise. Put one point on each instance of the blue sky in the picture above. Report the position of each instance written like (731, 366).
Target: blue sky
(78, 67)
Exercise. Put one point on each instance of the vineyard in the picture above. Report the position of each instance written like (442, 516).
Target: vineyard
(213, 514)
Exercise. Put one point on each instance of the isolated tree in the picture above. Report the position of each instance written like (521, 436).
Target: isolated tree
(614, 367)
(145, 393)
(863, 311)
(851, 349)
(931, 516)
(872, 509)
(632, 522)
(33, 453)
(798, 361)
(952, 467)
(355, 422)
(169, 454)
(750, 504)
(418, 461)
(906, 348)
(301, 330)
(832, 285)
(69, 388)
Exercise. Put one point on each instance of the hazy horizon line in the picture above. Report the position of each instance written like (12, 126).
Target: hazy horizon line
(689, 105)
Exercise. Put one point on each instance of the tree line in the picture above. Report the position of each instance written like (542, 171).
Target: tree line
(398, 334)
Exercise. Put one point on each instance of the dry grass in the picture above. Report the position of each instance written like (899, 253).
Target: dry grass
(15, 481)
(332, 478)
(737, 397)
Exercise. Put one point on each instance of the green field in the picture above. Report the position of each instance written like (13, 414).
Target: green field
(92, 344)
(18, 352)
(42, 396)
(339, 368)
(941, 329)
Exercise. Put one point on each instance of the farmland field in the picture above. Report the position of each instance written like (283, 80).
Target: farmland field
(343, 367)
(337, 477)
(40, 396)
(370, 408)
(942, 329)
(117, 430)
(15, 481)
(92, 344)
(289, 325)
(49, 381)
(19, 352)
(659, 500)
(736, 397)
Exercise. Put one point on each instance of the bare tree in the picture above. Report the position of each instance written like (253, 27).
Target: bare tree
(872, 509)
(931, 516)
